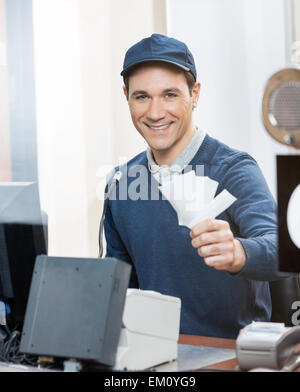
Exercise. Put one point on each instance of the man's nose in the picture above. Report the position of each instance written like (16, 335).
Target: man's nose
(156, 110)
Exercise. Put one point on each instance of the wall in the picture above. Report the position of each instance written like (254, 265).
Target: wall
(5, 169)
(296, 20)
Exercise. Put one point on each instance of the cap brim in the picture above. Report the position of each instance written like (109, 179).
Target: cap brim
(130, 67)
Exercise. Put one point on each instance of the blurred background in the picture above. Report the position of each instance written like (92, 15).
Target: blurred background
(64, 121)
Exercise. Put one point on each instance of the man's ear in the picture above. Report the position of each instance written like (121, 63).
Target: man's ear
(125, 92)
(196, 93)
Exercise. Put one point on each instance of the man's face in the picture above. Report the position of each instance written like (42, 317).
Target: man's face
(161, 106)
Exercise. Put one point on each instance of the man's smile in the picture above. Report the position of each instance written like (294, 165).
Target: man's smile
(159, 127)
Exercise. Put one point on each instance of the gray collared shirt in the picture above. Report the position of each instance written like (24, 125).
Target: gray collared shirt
(164, 172)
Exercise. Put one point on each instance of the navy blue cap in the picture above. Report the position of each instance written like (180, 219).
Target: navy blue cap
(159, 47)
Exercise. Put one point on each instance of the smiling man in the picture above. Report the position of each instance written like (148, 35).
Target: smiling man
(220, 268)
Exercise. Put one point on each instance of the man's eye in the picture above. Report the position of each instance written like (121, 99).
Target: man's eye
(170, 95)
(141, 97)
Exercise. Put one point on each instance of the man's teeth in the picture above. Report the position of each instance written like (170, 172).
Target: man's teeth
(159, 128)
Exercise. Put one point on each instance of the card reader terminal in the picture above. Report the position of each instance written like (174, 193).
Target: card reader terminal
(265, 344)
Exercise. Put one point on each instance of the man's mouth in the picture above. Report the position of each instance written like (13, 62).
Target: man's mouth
(159, 127)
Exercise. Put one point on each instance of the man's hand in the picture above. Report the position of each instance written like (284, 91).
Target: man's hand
(216, 244)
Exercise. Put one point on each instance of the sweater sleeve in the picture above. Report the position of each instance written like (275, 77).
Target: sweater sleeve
(254, 214)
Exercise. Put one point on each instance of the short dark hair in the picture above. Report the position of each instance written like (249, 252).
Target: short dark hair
(188, 76)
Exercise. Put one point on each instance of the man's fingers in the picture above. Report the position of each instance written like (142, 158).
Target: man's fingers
(216, 249)
(213, 237)
(215, 242)
(208, 225)
(204, 226)
(220, 262)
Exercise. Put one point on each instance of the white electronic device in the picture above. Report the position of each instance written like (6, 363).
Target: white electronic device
(266, 345)
(150, 330)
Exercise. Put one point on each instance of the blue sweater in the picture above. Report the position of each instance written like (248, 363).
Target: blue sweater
(146, 234)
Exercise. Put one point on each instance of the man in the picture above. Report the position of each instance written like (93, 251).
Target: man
(220, 268)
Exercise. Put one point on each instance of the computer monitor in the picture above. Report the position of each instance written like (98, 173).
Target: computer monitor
(23, 236)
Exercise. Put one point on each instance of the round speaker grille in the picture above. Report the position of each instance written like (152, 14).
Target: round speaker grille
(281, 106)
(284, 106)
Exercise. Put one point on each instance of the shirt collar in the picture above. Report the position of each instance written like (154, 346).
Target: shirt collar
(182, 160)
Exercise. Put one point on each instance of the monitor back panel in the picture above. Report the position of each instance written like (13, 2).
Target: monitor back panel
(75, 308)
